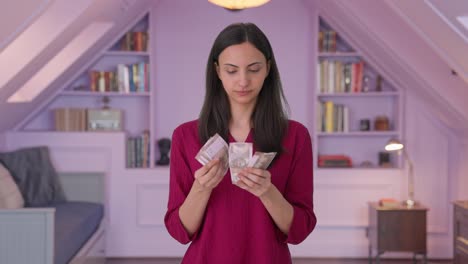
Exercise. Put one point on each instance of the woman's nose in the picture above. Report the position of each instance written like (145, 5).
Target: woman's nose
(244, 79)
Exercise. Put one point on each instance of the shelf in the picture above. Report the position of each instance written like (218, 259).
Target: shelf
(156, 175)
(153, 170)
(356, 168)
(338, 54)
(88, 93)
(348, 91)
(358, 134)
(360, 94)
(126, 53)
(73, 133)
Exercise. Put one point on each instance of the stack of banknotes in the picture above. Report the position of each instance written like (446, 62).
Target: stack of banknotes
(235, 156)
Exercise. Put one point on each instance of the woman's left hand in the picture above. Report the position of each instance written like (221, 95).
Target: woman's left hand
(256, 181)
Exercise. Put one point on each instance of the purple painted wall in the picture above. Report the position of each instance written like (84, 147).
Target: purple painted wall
(2, 142)
(184, 33)
(460, 190)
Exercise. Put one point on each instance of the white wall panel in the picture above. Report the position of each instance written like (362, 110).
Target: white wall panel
(151, 204)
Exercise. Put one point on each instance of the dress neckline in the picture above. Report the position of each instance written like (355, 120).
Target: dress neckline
(248, 139)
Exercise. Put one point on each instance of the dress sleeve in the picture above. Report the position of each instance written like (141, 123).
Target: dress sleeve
(299, 192)
(180, 183)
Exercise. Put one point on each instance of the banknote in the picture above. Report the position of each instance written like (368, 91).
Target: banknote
(239, 156)
(214, 148)
(261, 160)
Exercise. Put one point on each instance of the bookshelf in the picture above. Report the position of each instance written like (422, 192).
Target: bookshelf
(357, 109)
(120, 75)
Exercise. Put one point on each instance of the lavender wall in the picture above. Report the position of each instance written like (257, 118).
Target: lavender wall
(461, 176)
(184, 33)
(2, 142)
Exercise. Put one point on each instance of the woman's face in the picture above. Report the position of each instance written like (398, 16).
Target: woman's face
(242, 69)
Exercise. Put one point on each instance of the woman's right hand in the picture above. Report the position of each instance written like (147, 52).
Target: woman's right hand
(209, 176)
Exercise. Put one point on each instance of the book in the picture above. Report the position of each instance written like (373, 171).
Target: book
(334, 161)
(389, 202)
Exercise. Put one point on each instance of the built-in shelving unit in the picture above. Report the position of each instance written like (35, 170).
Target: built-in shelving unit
(352, 101)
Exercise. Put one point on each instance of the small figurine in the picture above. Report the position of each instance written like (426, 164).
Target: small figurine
(164, 145)
(365, 87)
(378, 86)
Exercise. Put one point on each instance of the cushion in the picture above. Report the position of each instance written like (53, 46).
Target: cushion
(33, 172)
(10, 196)
(75, 223)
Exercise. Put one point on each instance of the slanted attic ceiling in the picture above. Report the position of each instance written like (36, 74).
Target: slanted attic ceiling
(20, 19)
(379, 29)
(402, 52)
(116, 12)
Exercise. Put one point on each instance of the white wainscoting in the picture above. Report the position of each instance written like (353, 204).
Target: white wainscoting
(137, 198)
(151, 204)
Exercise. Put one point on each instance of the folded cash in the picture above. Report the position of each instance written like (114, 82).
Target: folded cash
(239, 156)
(214, 148)
(235, 156)
(261, 160)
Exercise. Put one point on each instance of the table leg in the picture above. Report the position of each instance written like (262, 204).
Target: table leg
(377, 259)
(423, 257)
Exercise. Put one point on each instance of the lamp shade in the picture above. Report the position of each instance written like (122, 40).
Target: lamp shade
(238, 4)
(394, 145)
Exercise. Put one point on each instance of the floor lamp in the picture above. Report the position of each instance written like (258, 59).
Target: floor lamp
(394, 145)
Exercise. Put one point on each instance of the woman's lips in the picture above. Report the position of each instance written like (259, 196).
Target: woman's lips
(242, 93)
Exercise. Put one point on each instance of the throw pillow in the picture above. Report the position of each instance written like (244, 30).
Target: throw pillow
(10, 196)
(32, 170)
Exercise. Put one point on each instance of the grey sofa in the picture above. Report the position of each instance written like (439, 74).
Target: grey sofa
(51, 229)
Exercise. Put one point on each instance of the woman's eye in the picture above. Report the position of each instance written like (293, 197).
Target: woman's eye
(254, 70)
(231, 72)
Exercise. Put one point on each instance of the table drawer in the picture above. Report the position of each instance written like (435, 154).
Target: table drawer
(461, 253)
(460, 259)
(462, 244)
(461, 214)
(460, 230)
(461, 224)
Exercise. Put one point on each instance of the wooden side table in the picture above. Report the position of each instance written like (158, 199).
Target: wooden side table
(399, 228)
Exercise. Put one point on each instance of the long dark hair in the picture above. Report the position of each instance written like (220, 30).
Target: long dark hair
(269, 118)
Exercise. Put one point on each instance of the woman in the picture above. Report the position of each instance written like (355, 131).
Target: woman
(254, 220)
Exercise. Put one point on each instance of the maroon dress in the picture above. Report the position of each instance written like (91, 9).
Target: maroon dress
(236, 227)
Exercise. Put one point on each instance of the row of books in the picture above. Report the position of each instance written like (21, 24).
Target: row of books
(332, 117)
(134, 41)
(70, 119)
(340, 77)
(327, 41)
(127, 79)
(87, 119)
(138, 150)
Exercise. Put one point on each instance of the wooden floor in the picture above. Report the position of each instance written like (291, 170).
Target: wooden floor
(295, 261)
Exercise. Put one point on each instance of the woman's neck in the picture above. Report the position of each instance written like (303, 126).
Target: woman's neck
(241, 117)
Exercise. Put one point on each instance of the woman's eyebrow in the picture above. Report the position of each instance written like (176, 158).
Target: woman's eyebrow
(251, 64)
(255, 63)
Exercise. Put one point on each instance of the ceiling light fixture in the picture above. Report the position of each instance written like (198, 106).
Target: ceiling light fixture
(238, 4)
